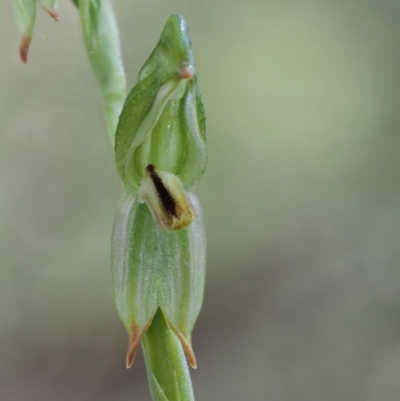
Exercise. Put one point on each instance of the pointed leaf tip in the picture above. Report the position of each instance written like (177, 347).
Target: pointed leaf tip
(24, 47)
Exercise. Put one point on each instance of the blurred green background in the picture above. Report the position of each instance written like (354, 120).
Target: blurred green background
(301, 201)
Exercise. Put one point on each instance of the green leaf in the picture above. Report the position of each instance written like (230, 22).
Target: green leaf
(166, 367)
(155, 268)
(163, 120)
(101, 37)
(25, 16)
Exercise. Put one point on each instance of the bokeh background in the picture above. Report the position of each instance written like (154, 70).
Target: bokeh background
(301, 200)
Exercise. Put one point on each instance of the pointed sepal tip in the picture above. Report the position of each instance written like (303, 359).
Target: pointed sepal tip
(135, 338)
(54, 13)
(24, 47)
(186, 343)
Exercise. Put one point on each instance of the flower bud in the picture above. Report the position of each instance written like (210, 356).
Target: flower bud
(163, 120)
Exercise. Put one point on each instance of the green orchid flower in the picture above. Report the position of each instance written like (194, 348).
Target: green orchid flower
(158, 251)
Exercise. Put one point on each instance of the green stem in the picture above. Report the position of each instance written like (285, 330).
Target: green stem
(166, 365)
(101, 38)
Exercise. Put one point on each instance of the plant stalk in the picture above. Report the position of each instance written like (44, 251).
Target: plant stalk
(167, 370)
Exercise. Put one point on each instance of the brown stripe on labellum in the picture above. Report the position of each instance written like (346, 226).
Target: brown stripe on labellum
(167, 201)
(166, 198)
